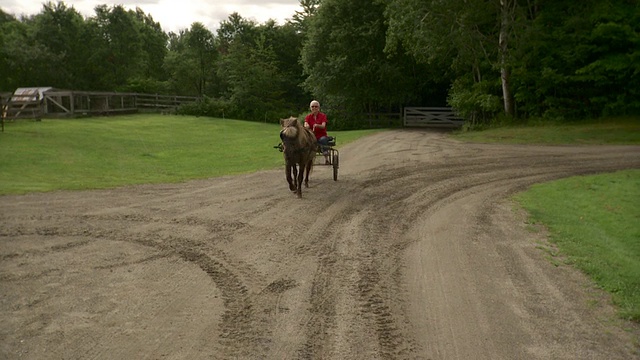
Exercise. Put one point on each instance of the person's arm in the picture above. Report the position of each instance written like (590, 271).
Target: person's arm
(306, 122)
(322, 124)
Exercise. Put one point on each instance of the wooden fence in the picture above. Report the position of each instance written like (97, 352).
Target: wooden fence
(70, 103)
(431, 117)
(59, 103)
(4, 99)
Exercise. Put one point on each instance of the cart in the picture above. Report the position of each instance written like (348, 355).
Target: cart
(332, 157)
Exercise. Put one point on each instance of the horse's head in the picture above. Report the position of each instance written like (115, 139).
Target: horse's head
(290, 127)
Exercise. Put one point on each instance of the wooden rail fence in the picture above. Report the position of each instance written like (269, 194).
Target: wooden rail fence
(60, 103)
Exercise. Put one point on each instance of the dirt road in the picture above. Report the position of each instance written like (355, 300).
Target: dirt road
(414, 253)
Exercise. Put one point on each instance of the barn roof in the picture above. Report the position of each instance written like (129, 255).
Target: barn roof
(30, 93)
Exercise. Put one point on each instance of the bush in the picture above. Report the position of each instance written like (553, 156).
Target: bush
(476, 102)
(145, 86)
(206, 107)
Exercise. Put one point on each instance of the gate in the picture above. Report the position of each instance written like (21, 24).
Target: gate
(24, 103)
(431, 117)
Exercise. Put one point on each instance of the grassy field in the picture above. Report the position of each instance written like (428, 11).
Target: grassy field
(619, 131)
(97, 153)
(593, 220)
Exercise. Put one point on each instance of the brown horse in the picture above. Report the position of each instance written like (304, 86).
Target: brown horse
(299, 148)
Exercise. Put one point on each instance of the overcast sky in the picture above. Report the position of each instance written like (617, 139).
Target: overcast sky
(174, 15)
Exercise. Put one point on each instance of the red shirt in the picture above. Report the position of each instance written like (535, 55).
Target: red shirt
(318, 119)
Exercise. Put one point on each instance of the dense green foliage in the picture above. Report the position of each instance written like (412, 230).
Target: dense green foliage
(586, 65)
(346, 65)
(490, 60)
(557, 59)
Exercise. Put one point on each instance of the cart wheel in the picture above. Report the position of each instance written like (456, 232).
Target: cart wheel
(334, 162)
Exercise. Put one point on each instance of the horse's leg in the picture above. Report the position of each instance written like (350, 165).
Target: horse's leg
(300, 178)
(307, 172)
(294, 170)
(290, 179)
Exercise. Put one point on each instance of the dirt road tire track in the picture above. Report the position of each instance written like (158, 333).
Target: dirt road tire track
(415, 253)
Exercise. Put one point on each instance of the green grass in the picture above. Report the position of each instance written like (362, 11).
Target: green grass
(595, 222)
(620, 131)
(98, 153)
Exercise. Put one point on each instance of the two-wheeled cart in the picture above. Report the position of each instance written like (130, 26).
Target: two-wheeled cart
(330, 156)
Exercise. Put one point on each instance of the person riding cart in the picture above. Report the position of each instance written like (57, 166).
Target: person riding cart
(317, 122)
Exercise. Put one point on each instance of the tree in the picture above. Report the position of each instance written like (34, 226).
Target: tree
(12, 35)
(345, 63)
(539, 58)
(580, 59)
(233, 30)
(117, 53)
(58, 29)
(507, 18)
(286, 43)
(201, 45)
(154, 50)
(459, 36)
(191, 61)
(300, 19)
(259, 68)
(255, 82)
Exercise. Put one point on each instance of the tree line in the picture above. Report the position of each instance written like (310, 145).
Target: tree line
(491, 60)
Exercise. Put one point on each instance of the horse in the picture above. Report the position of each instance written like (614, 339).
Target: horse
(299, 149)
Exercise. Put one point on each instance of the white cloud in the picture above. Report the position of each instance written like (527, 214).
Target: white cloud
(174, 15)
